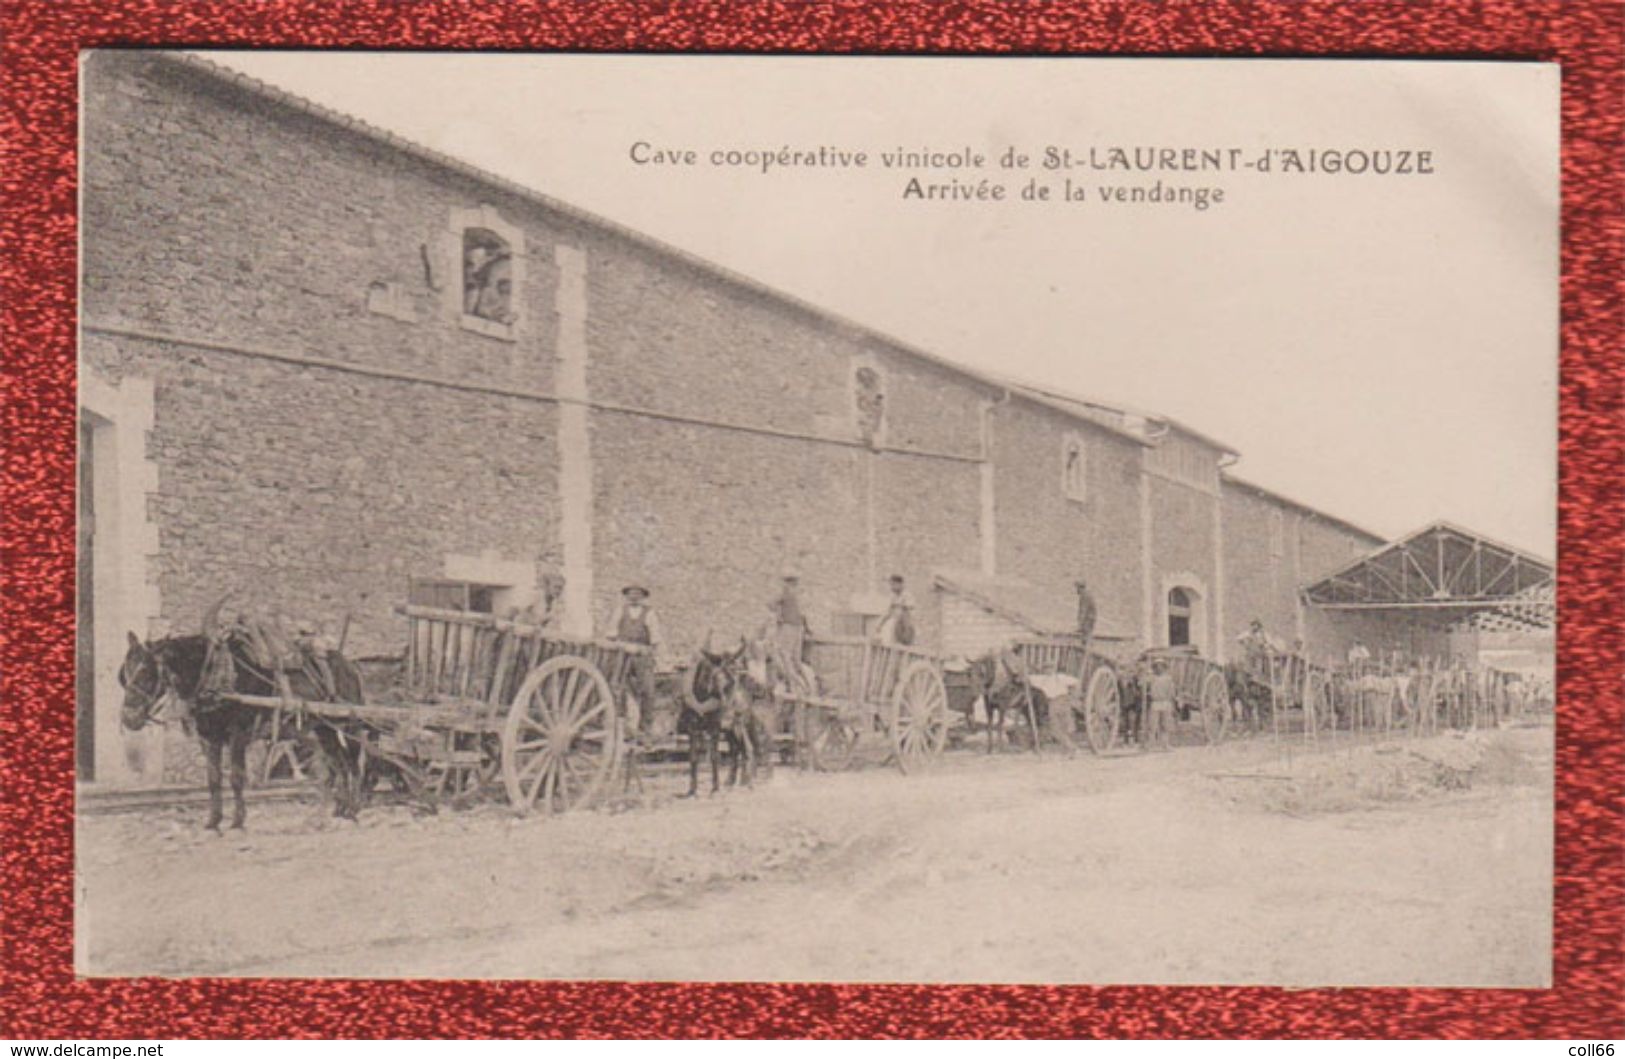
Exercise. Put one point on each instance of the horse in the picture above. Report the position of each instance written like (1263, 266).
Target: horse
(1002, 695)
(717, 707)
(1249, 696)
(198, 673)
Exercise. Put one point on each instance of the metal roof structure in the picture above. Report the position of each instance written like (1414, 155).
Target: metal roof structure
(1447, 576)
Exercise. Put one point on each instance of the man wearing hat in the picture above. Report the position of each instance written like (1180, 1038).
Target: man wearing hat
(635, 621)
(1160, 692)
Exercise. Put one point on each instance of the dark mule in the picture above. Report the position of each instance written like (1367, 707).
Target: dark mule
(197, 672)
(1004, 692)
(715, 708)
(1248, 696)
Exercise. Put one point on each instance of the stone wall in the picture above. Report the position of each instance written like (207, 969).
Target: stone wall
(1182, 554)
(1260, 564)
(1050, 538)
(319, 494)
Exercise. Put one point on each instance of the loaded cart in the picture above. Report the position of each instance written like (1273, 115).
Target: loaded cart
(1093, 694)
(1201, 693)
(482, 698)
(864, 688)
(1287, 680)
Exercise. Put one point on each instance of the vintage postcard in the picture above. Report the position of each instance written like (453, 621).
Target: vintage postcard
(835, 519)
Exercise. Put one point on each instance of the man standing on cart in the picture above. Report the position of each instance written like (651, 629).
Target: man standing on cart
(788, 632)
(1086, 613)
(898, 624)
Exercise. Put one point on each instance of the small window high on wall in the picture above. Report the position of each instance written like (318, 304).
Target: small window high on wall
(869, 404)
(478, 265)
(1277, 533)
(487, 276)
(1074, 468)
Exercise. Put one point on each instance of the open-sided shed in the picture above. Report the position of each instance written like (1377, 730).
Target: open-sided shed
(1446, 577)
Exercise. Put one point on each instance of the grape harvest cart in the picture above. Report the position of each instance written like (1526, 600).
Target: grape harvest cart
(1095, 699)
(862, 688)
(1201, 694)
(1286, 680)
(481, 699)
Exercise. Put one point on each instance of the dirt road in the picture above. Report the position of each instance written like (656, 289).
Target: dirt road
(1409, 863)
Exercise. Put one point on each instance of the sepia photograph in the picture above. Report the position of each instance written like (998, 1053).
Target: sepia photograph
(832, 519)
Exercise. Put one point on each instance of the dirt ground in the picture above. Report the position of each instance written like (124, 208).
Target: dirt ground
(1400, 863)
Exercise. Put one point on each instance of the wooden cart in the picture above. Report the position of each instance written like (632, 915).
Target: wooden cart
(1201, 693)
(482, 698)
(1293, 683)
(1096, 700)
(864, 687)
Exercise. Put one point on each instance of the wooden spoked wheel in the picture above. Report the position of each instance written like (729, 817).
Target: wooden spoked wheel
(919, 717)
(831, 741)
(559, 741)
(1102, 710)
(1215, 707)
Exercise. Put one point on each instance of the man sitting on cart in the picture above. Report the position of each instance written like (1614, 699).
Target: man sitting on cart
(1258, 647)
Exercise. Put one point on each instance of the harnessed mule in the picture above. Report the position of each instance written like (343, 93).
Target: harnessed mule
(1001, 679)
(199, 673)
(716, 706)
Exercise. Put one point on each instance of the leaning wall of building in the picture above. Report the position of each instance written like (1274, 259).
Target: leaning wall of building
(1272, 549)
(1260, 564)
(1050, 538)
(245, 283)
(1183, 554)
(728, 447)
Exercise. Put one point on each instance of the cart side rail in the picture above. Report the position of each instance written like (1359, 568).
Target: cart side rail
(1063, 657)
(480, 658)
(859, 670)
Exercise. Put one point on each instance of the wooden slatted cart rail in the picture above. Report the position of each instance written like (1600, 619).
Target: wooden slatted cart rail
(483, 698)
(865, 686)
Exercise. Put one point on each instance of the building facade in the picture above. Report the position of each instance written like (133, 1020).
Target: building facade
(322, 368)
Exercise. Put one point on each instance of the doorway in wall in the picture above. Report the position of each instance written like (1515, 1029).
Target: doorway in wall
(1179, 617)
(85, 636)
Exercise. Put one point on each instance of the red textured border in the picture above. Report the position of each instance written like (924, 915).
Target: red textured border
(39, 996)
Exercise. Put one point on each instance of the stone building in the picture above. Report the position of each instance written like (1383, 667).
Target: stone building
(329, 370)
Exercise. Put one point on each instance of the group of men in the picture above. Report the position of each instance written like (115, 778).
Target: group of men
(636, 621)
(1148, 707)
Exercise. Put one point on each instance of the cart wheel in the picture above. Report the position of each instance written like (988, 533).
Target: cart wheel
(1102, 711)
(831, 741)
(919, 717)
(558, 744)
(1215, 707)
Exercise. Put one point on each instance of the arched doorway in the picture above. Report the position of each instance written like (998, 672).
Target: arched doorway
(1179, 617)
(1182, 613)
